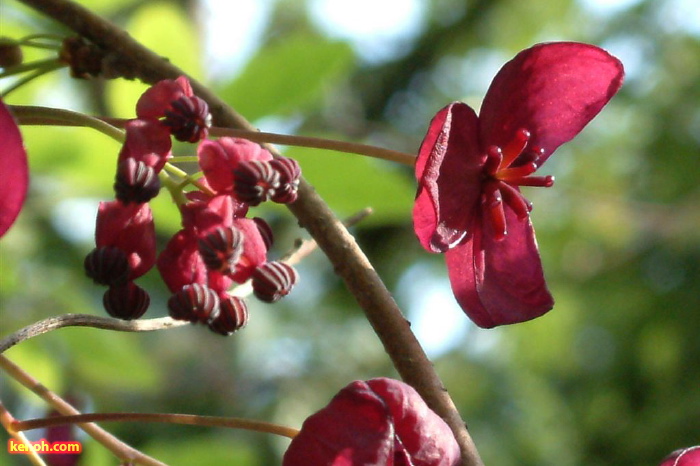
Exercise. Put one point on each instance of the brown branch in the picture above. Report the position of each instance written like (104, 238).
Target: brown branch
(333, 238)
(116, 446)
(86, 320)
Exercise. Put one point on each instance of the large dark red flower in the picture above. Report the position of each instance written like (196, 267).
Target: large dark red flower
(14, 175)
(470, 169)
(378, 422)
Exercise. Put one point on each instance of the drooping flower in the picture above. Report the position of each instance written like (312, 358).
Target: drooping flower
(380, 421)
(470, 169)
(14, 175)
(174, 104)
(684, 457)
(144, 154)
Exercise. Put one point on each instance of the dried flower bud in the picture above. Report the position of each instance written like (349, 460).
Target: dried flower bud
(233, 316)
(273, 280)
(126, 302)
(10, 53)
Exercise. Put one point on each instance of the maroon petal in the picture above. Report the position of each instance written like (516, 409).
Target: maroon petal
(353, 429)
(254, 250)
(218, 158)
(421, 435)
(448, 170)
(553, 90)
(14, 176)
(148, 142)
(131, 229)
(381, 421)
(180, 264)
(500, 282)
(157, 99)
(684, 457)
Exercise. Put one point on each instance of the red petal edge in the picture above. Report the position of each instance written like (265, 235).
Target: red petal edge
(553, 90)
(500, 282)
(14, 176)
(448, 170)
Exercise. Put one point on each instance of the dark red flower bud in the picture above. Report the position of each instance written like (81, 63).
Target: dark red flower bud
(273, 280)
(10, 53)
(135, 182)
(265, 232)
(233, 315)
(221, 249)
(126, 302)
(195, 303)
(107, 266)
(290, 172)
(188, 118)
(381, 421)
(255, 181)
(684, 457)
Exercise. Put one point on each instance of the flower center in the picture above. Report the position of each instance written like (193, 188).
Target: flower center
(505, 170)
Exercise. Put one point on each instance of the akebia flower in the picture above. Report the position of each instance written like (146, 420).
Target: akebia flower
(378, 422)
(470, 169)
(144, 154)
(684, 457)
(174, 104)
(14, 175)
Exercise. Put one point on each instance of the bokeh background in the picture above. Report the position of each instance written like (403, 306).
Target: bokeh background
(611, 376)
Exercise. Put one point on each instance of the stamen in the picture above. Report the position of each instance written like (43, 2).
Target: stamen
(494, 159)
(538, 181)
(514, 175)
(515, 147)
(515, 200)
(493, 202)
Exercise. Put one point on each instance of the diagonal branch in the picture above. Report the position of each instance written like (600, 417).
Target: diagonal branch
(333, 238)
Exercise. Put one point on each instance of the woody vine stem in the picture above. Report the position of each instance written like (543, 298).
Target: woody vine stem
(349, 261)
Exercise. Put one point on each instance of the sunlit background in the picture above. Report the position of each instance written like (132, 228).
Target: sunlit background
(609, 377)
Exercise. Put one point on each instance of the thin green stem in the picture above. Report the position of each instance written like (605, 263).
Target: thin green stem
(30, 66)
(184, 159)
(187, 419)
(32, 76)
(258, 136)
(44, 116)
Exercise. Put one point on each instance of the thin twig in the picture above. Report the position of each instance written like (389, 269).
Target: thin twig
(168, 418)
(35, 115)
(113, 444)
(86, 320)
(349, 261)
(7, 421)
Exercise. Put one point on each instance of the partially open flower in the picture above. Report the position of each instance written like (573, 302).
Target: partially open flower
(219, 158)
(378, 422)
(173, 102)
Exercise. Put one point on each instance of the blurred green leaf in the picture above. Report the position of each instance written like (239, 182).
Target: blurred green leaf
(287, 76)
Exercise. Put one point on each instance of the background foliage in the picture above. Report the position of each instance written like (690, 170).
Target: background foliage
(609, 377)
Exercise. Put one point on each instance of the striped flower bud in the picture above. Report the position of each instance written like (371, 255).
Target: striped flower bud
(107, 265)
(126, 302)
(255, 181)
(233, 316)
(188, 118)
(289, 172)
(135, 182)
(221, 249)
(273, 280)
(195, 303)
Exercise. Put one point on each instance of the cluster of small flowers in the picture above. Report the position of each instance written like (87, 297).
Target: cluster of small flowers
(217, 245)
